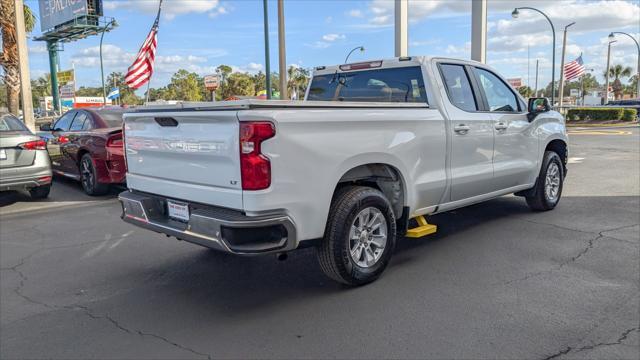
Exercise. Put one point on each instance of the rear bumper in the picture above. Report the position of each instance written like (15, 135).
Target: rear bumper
(213, 227)
(26, 177)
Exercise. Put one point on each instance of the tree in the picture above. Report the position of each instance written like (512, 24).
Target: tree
(40, 87)
(89, 91)
(590, 82)
(238, 84)
(127, 95)
(9, 56)
(186, 86)
(298, 80)
(617, 72)
(632, 88)
(525, 91)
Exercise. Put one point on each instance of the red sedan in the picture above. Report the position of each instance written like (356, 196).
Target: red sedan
(86, 145)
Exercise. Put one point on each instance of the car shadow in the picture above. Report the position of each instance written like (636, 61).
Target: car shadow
(62, 189)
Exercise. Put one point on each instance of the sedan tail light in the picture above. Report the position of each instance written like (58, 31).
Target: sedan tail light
(255, 168)
(115, 141)
(33, 145)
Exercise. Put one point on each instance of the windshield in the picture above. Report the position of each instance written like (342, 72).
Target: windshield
(395, 85)
(11, 123)
(111, 118)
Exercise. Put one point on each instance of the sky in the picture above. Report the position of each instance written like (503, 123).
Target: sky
(199, 35)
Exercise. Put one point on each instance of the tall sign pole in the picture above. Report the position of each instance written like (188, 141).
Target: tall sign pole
(606, 88)
(25, 77)
(281, 52)
(564, 48)
(401, 28)
(479, 31)
(267, 65)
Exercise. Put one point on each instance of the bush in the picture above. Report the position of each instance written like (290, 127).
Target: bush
(598, 114)
(630, 114)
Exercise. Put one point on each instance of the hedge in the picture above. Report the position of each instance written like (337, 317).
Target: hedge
(630, 114)
(599, 114)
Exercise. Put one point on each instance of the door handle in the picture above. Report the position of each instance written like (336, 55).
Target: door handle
(501, 126)
(461, 129)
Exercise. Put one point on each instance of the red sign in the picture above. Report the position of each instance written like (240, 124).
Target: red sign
(515, 82)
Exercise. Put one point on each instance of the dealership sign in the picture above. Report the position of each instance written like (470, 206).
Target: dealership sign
(56, 12)
(515, 82)
(211, 82)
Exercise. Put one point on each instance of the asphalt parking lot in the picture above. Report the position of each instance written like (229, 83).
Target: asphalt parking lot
(496, 281)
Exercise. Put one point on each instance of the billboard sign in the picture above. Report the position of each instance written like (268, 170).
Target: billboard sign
(56, 12)
(67, 91)
(515, 82)
(66, 77)
(574, 92)
(211, 82)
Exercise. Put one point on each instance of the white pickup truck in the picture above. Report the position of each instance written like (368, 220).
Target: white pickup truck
(374, 146)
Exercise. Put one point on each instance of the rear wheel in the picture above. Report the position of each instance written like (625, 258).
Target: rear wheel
(548, 188)
(89, 177)
(360, 236)
(40, 192)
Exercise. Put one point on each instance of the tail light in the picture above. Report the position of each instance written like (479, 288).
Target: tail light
(63, 139)
(115, 141)
(33, 145)
(255, 168)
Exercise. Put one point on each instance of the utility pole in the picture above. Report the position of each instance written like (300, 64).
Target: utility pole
(564, 48)
(536, 90)
(606, 86)
(479, 31)
(281, 52)
(23, 60)
(529, 66)
(401, 28)
(267, 61)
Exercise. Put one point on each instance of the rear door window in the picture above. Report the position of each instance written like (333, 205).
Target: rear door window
(64, 122)
(78, 122)
(458, 87)
(396, 85)
(499, 95)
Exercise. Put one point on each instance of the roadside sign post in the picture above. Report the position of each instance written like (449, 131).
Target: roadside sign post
(211, 83)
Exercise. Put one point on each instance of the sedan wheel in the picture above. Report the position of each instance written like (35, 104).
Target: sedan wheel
(89, 178)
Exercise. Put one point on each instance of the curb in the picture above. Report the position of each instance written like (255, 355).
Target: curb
(629, 124)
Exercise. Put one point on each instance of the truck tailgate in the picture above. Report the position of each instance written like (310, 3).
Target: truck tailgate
(190, 156)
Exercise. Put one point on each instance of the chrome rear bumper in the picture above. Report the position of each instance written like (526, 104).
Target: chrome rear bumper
(213, 227)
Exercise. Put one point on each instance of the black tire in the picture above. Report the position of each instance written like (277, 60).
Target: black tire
(40, 192)
(334, 250)
(89, 177)
(539, 201)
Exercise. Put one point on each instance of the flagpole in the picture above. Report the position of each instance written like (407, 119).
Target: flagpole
(148, 86)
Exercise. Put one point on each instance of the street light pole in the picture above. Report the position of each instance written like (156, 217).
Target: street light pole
(515, 14)
(267, 66)
(111, 23)
(611, 37)
(536, 90)
(564, 48)
(281, 52)
(606, 89)
(361, 48)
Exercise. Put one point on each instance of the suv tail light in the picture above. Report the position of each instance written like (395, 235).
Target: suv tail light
(255, 168)
(33, 145)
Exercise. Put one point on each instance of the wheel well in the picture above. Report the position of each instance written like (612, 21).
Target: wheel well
(560, 148)
(383, 177)
(80, 155)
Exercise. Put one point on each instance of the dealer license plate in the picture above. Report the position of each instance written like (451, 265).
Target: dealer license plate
(178, 210)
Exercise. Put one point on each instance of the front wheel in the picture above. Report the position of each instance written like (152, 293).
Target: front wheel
(89, 177)
(548, 188)
(359, 237)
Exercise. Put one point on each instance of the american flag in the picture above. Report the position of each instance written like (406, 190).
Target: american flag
(140, 71)
(574, 69)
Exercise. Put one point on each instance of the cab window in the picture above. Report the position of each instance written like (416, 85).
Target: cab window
(458, 87)
(394, 85)
(499, 96)
(64, 122)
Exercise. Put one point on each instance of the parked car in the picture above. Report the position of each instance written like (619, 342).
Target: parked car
(24, 163)
(373, 146)
(86, 145)
(627, 104)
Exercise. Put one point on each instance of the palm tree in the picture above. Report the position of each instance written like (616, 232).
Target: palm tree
(298, 78)
(9, 56)
(617, 72)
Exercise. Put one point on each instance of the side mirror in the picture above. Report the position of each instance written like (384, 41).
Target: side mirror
(537, 106)
(45, 127)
